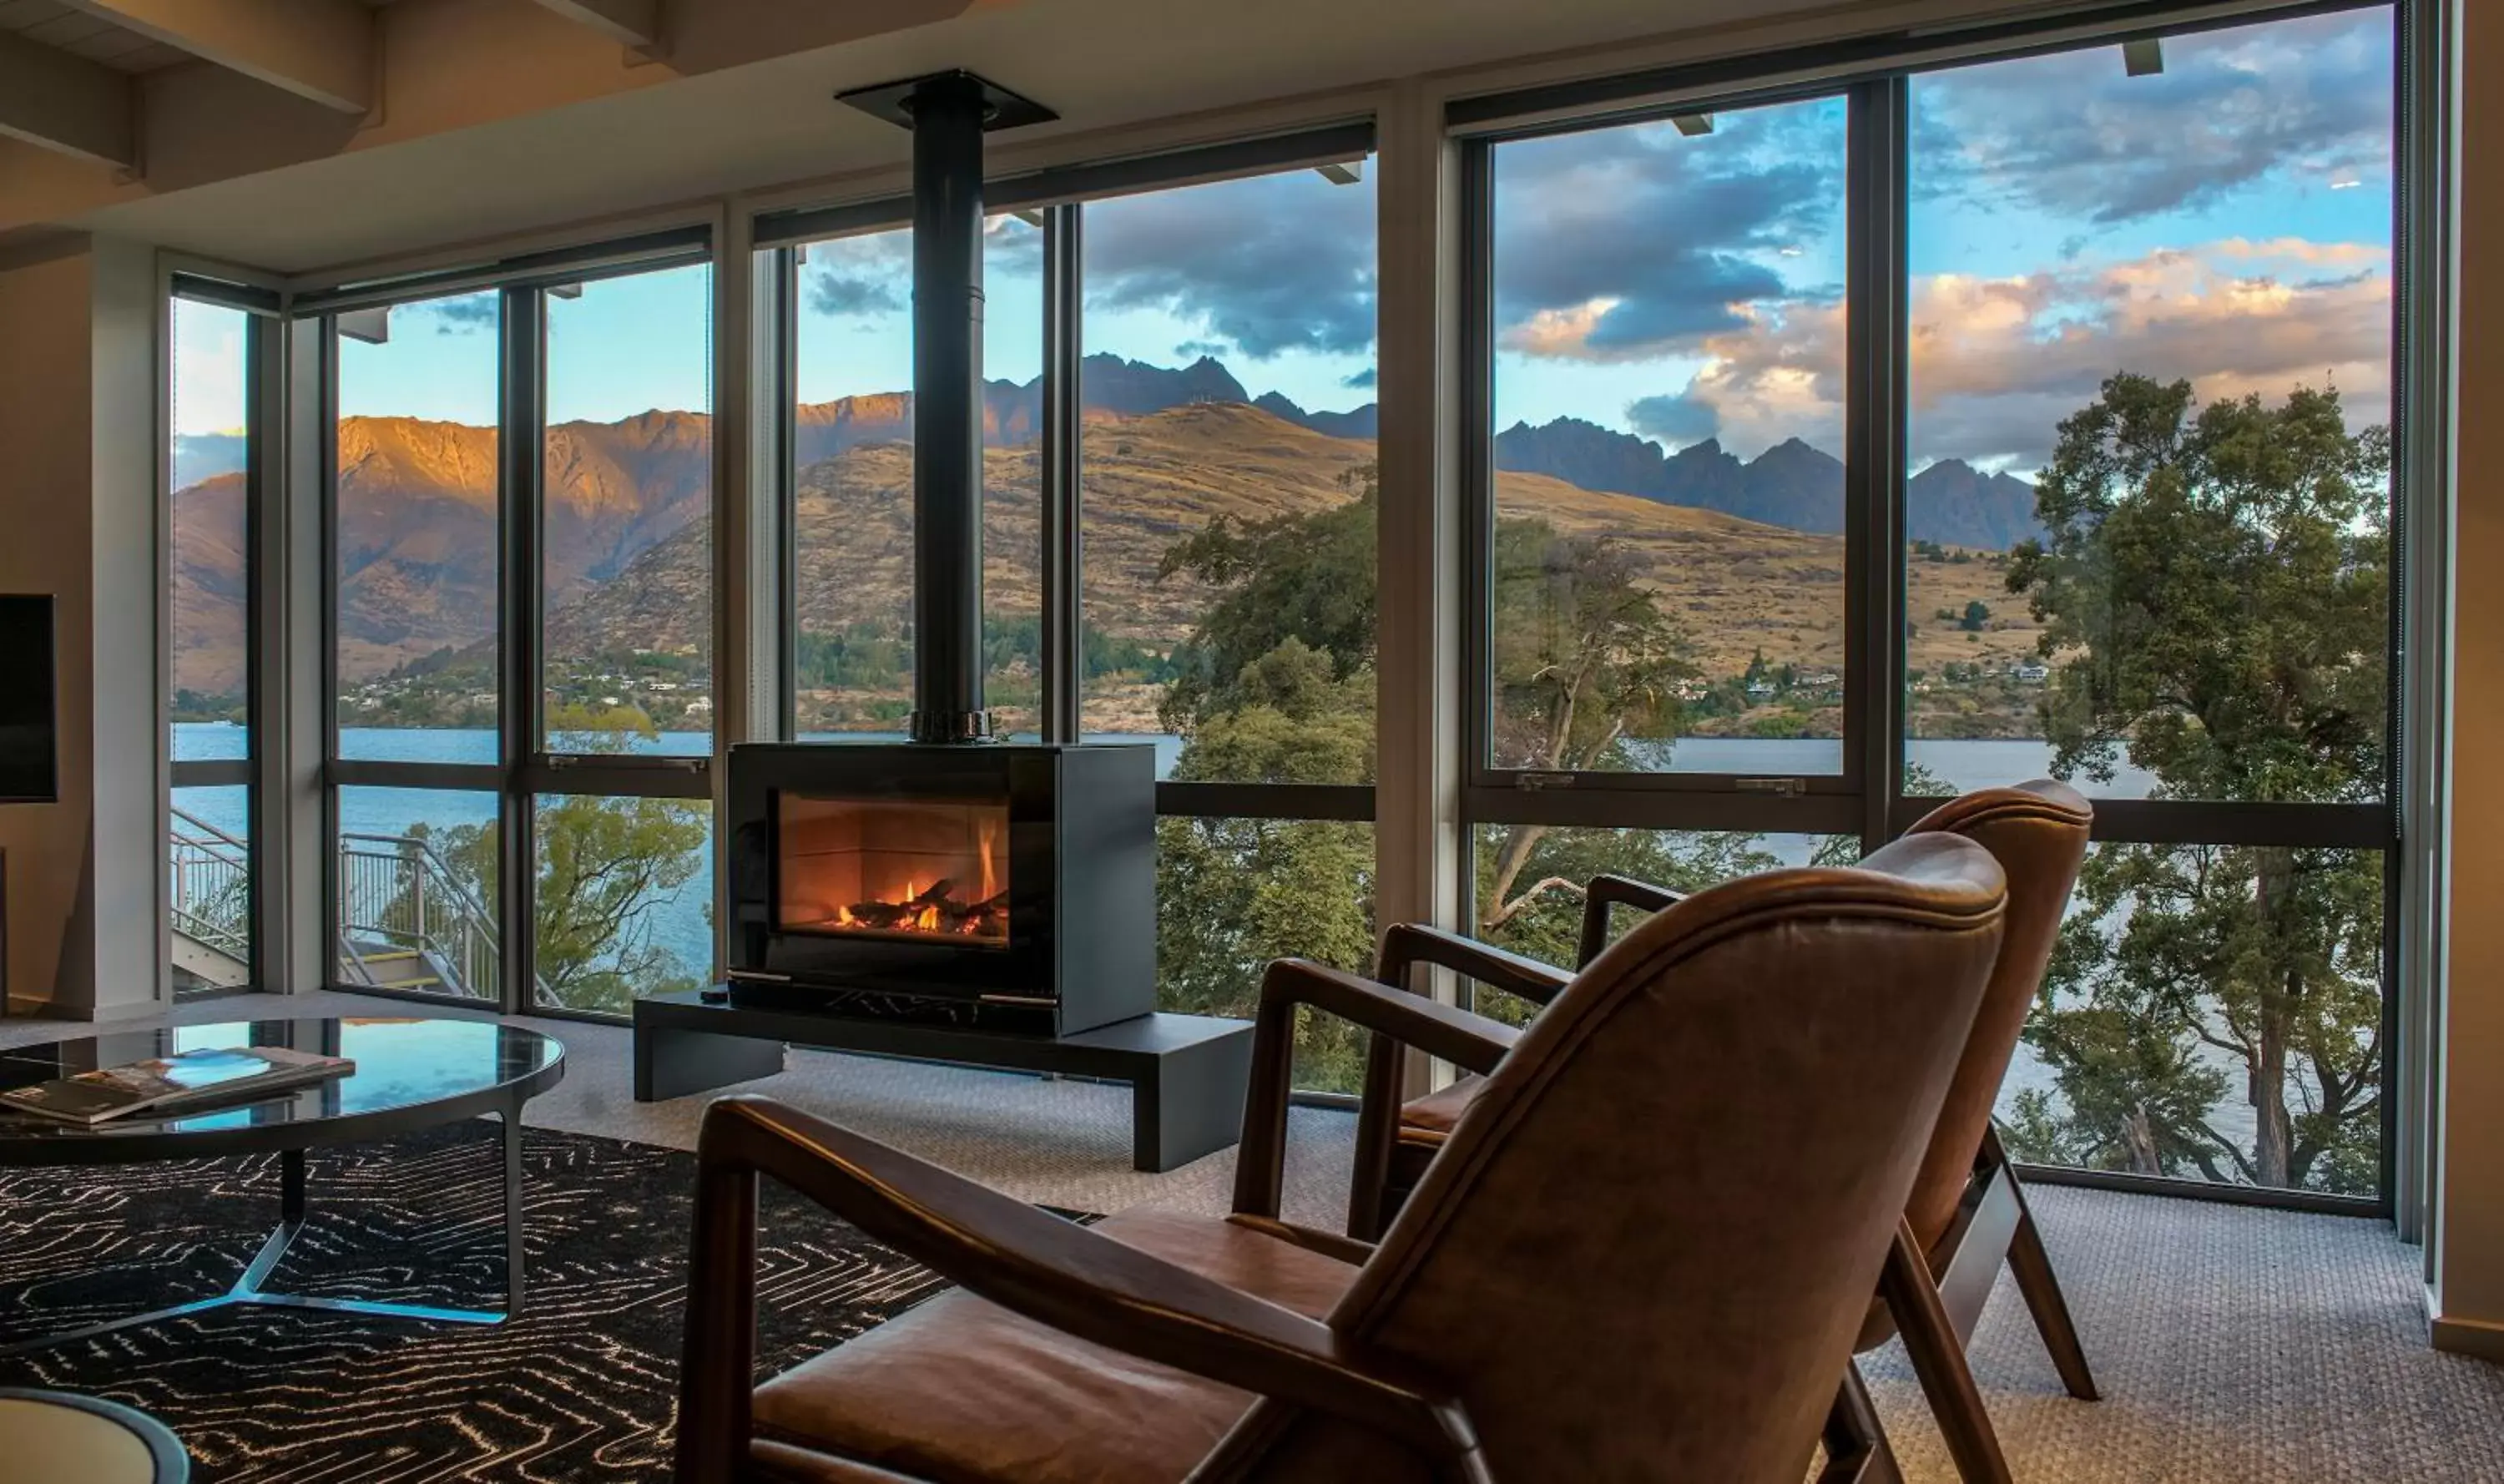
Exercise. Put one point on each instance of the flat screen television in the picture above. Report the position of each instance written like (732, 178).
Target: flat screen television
(28, 772)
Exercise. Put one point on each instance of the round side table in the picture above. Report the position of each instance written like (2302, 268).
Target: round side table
(53, 1435)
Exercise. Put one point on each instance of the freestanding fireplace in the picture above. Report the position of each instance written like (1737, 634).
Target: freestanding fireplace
(1002, 886)
(951, 898)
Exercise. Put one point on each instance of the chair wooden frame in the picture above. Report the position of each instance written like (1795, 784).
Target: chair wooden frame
(1061, 1274)
(1931, 1298)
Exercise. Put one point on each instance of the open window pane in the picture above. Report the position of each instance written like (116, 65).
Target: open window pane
(2151, 330)
(1666, 565)
(2215, 1013)
(852, 430)
(209, 891)
(212, 533)
(1233, 894)
(623, 900)
(1229, 477)
(416, 522)
(416, 891)
(626, 516)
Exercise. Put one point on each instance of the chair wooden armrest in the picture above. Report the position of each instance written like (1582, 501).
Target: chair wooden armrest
(1608, 892)
(1407, 945)
(1442, 1030)
(1050, 1271)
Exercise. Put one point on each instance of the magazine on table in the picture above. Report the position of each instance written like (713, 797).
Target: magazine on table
(163, 1087)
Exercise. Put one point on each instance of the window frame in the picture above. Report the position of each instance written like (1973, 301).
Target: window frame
(525, 770)
(1060, 195)
(1867, 798)
(264, 415)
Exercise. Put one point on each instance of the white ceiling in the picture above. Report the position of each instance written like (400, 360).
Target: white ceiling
(1102, 63)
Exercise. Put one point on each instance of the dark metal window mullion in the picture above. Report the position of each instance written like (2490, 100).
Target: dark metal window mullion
(1476, 421)
(327, 684)
(1064, 645)
(784, 407)
(1874, 422)
(260, 414)
(522, 417)
(2407, 16)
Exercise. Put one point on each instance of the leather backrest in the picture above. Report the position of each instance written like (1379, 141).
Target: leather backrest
(1647, 1247)
(2037, 831)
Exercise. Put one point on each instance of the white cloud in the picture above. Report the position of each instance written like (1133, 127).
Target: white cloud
(1997, 362)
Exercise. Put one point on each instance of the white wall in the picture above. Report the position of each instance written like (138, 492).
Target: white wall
(77, 431)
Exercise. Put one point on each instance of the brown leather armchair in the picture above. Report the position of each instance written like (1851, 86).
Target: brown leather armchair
(1967, 1213)
(1549, 1305)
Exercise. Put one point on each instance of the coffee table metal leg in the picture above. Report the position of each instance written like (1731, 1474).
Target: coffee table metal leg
(512, 1120)
(292, 1206)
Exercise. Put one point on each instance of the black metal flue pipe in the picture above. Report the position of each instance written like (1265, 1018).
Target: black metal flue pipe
(948, 113)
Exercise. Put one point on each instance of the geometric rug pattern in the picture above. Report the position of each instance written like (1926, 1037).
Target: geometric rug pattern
(580, 1386)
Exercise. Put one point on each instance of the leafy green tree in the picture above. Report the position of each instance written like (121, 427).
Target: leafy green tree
(606, 867)
(1976, 615)
(1276, 684)
(1585, 662)
(2214, 590)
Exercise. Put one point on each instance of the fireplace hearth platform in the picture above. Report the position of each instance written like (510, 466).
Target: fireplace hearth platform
(1188, 1074)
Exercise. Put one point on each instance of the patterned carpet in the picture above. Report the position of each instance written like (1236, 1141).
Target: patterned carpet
(580, 1388)
(2232, 1344)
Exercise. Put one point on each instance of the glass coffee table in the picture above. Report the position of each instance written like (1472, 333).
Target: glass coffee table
(413, 1074)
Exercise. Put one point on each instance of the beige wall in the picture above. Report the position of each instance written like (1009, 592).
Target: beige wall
(77, 481)
(2468, 1235)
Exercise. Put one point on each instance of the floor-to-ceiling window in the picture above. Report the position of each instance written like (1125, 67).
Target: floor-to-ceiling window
(620, 828)
(522, 639)
(1971, 423)
(217, 354)
(2150, 317)
(851, 457)
(1227, 514)
(417, 537)
(1216, 343)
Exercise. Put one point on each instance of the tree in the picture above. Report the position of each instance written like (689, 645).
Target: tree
(1585, 662)
(2214, 590)
(1277, 683)
(605, 866)
(1976, 615)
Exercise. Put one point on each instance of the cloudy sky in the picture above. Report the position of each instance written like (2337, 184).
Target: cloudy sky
(2228, 221)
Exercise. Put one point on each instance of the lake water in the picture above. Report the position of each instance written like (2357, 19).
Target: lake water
(679, 921)
(680, 924)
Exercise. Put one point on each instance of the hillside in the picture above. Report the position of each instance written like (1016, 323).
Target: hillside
(1738, 587)
(1749, 555)
(417, 532)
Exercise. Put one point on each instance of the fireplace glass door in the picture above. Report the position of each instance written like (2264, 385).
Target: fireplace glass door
(898, 870)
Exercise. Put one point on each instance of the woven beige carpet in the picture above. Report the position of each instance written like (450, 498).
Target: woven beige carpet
(2231, 1345)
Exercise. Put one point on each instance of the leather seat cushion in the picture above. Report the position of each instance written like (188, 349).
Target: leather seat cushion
(1430, 1119)
(960, 1389)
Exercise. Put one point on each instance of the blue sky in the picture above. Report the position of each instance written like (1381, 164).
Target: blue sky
(2228, 221)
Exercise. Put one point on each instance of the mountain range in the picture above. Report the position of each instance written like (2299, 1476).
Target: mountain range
(417, 498)
(1791, 483)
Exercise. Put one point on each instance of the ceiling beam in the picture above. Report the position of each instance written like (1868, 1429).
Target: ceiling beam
(66, 103)
(322, 49)
(634, 24)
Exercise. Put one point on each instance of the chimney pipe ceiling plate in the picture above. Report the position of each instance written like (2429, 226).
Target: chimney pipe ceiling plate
(1002, 108)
